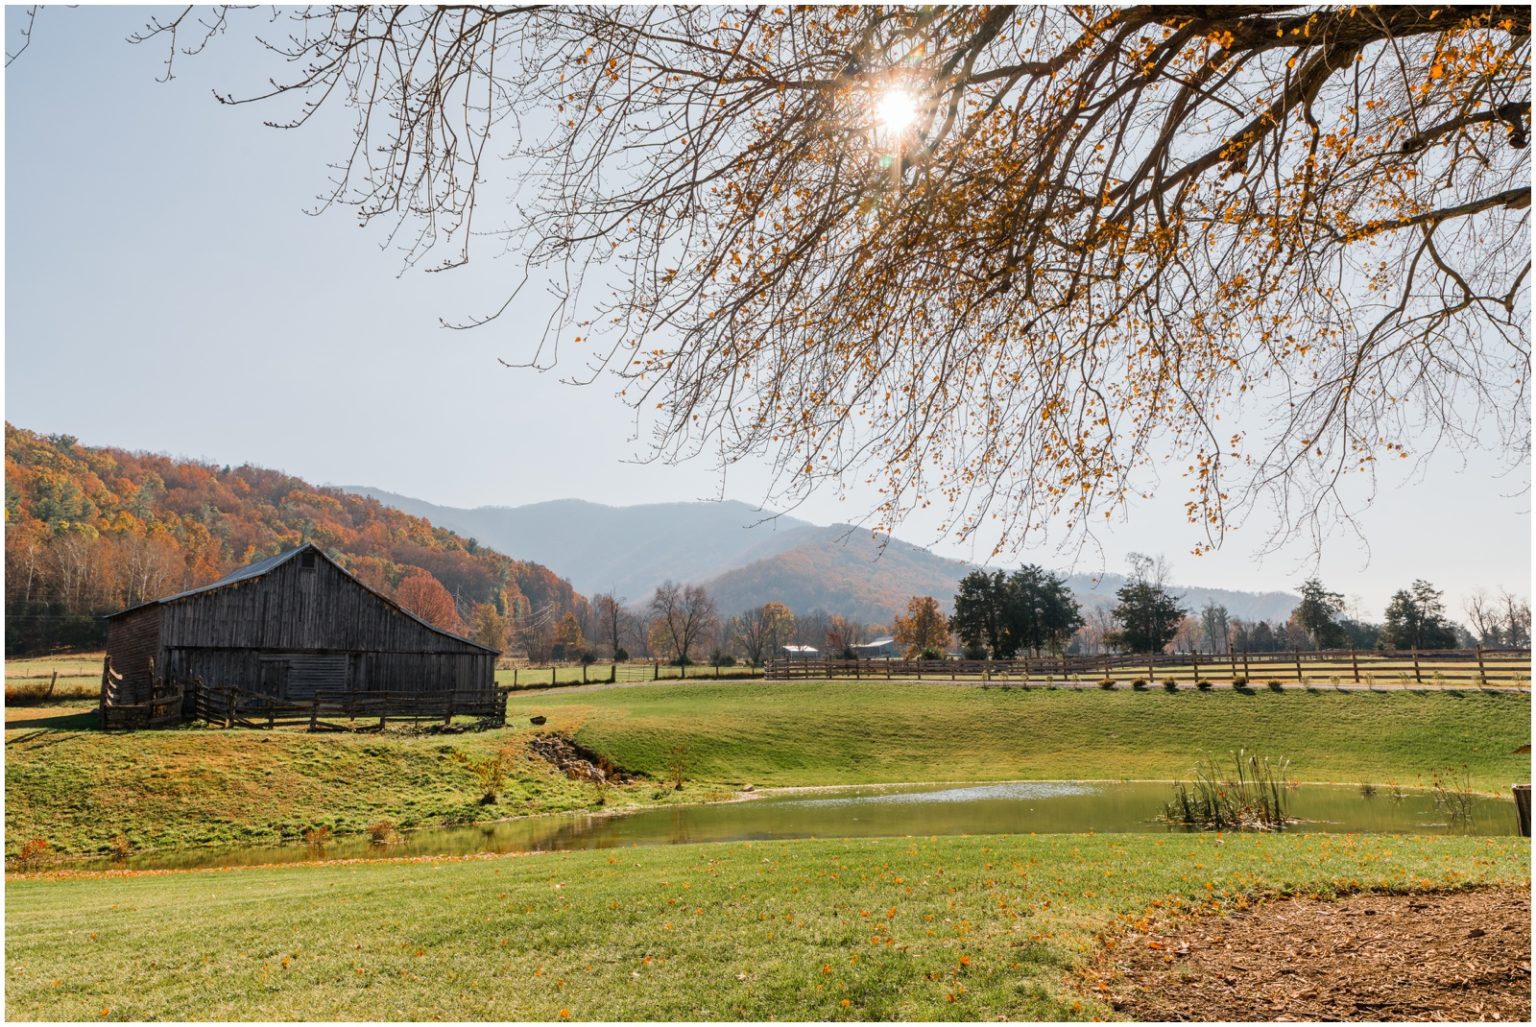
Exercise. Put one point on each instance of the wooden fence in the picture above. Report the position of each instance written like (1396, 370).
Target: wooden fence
(174, 700)
(163, 708)
(325, 711)
(1416, 668)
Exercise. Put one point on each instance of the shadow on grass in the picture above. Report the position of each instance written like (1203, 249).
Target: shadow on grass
(83, 721)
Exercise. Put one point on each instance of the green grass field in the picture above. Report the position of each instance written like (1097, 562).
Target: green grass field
(79, 789)
(855, 733)
(908, 929)
(598, 673)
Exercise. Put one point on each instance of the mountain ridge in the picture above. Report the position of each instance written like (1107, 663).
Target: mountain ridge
(745, 556)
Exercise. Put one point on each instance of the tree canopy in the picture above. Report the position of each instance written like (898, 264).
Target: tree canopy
(1006, 259)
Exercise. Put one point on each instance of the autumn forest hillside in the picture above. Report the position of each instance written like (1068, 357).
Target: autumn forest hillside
(89, 531)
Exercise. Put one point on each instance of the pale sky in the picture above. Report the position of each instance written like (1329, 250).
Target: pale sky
(165, 290)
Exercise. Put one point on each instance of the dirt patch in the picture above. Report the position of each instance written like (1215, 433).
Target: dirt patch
(1456, 956)
(576, 761)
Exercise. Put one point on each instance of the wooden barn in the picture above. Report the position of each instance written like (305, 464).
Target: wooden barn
(290, 633)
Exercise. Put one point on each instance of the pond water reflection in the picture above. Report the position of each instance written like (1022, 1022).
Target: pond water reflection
(1022, 807)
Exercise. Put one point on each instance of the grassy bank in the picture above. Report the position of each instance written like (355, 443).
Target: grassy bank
(952, 928)
(79, 789)
(849, 733)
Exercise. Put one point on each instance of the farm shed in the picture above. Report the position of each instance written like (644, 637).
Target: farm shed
(291, 630)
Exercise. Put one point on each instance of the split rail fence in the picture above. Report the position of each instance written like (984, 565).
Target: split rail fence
(1447, 668)
(326, 711)
(175, 700)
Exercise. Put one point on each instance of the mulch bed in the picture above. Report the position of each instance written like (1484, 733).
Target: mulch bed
(1450, 956)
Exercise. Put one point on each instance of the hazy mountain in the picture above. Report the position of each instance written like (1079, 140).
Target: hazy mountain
(628, 550)
(746, 560)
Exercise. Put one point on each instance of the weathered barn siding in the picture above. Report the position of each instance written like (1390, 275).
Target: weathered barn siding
(133, 639)
(296, 608)
(294, 626)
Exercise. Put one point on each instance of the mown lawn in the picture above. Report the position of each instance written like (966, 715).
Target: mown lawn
(852, 733)
(900, 929)
(79, 789)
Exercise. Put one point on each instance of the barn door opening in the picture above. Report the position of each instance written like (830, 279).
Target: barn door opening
(274, 678)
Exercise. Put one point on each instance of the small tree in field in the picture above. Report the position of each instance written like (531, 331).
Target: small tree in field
(682, 617)
(924, 631)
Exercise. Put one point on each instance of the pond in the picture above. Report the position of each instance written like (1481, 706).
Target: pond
(1044, 807)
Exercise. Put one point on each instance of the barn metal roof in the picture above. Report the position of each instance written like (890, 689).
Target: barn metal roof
(271, 563)
(254, 570)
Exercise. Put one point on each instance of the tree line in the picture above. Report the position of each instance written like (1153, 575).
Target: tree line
(1032, 612)
(90, 531)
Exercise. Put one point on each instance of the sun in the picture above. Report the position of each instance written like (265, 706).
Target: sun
(896, 111)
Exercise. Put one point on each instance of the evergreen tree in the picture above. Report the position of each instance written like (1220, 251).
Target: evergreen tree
(1041, 612)
(979, 609)
(1416, 620)
(1148, 614)
(1318, 613)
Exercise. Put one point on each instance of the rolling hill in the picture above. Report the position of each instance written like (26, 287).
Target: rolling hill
(91, 530)
(746, 558)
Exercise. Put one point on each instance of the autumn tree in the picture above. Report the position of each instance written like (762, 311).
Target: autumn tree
(924, 632)
(569, 643)
(425, 596)
(1002, 257)
(488, 627)
(614, 623)
(763, 632)
(1501, 620)
(683, 617)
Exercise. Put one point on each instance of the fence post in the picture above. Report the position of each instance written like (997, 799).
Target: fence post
(583, 671)
(613, 672)
(514, 677)
(1246, 674)
(314, 712)
(552, 672)
(887, 668)
(1482, 674)
(1418, 675)
(106, 670)
(1194, 661)
(1354, 662)
(448, 717)
(1297, 654)
(1232, 658)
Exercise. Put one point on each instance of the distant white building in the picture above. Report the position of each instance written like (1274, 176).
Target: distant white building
(800, 652)
(879, 649)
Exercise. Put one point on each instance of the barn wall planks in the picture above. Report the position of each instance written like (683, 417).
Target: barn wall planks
(303, 627)
(133, 639)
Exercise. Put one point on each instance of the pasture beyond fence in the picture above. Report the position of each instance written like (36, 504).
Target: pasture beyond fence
(1444, 668)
